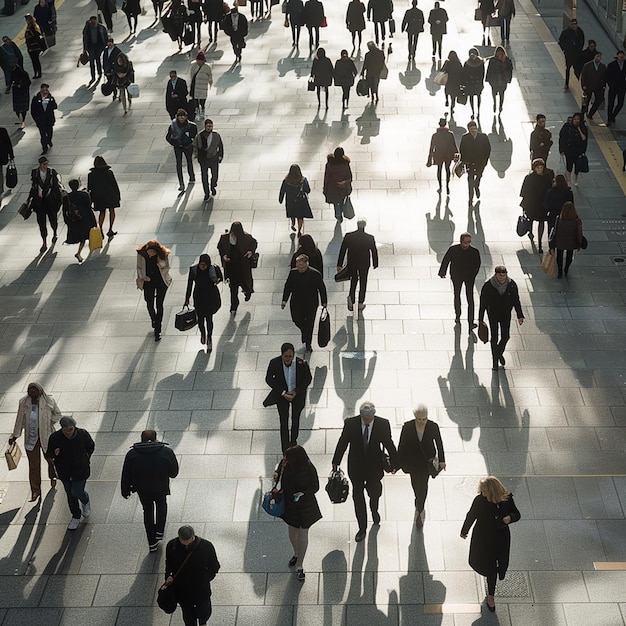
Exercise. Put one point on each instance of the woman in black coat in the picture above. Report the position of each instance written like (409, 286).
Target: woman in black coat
(79, 217)
(132, 10)
(345, 73)
(492, 510)
(322, 74)
(307, 246)
(442, 151)
(568, 236)
(573, 138)
(105, 193)
(420, 442)
(533, 192)
(454, 69)
(295, 10)
(293, 191)
(355, 20)
(473, 79)
(203, 280)
(300, 483)
(20, 83)
(556, 197)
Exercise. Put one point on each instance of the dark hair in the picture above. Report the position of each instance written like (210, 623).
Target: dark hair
(237, 229)
(204, 258)
(307, 246)
(540, 116)
(287, 346)
(294, 177)
(579, 115)
(453, 56)
(321, 53)
(73, 184)
(186, 533)
(148, 435)
(339, 153)
(560, 183)
(568, 212)
(296, 457)
(99, 162)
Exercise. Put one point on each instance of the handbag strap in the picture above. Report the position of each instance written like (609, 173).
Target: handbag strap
(183, 563)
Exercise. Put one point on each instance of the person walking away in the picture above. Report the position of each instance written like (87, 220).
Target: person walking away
(33, 38)
(313, 15)
(373, 64)
(498, 296)
(95, 39)
(70, 449)
(362, 253)
(474, 150)
(209, 151)
(20, 84)
(420, 444)
(236, 248)
(45, 196)
(493, 510)
(178, 17)
(442, 152)
(506, 12)
(195, 18)
(616, 81)
(180, 136)
(593, 83)
(78, 217)
(214, 12)
(438, 20)
(107, 8)
(499, 75)
(10, 58)
(487, 9)
(473, 80)
(454, 69)
(555, 198)
(337, 181)
(203, 279)
(571, 41)
(568, 237)
(355, 21)
(345, 73)
(540, 140)
(300, 483)
(148, 467)
(293, 191)
(37, 414)
(380, 12)
(6, 154)
(464, 262)
(413, 24)
(105, 193)
(289, 378)
(295, 13)
(153, 278)
(201, 79)
(322, 74)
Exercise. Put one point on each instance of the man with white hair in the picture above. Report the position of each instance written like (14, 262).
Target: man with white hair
(361, 248)
(365, 434)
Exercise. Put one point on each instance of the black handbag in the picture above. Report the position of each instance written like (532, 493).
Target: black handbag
(432, 463)
(584, 243)
(347, 208)
(361, 87)
(26, 209)
(582, 164)
(186, 319)
(337, 487)
(310, 86)
(345, 273)
(107, 89)
(166, 595)
(254, 260)
(523, 225)
(323, 330)
(11, 175)
(188, 35)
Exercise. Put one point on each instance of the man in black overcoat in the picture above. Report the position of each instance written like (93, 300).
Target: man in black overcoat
(289, 378)
(366, 434)
(175, 94)
(42, 109)
(235, 25)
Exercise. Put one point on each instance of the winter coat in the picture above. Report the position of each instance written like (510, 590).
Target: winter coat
(78, 216)
(537, 137)
(289, 193)
(105, 192)
(568, 234)
(322, 72)
(442, 146)
(32, 37)
(214, 10)
(72, 462)
(487, 7)
(473, 76)
(20, 89)
(43, 118)
(181, 136)
(498, 307)
(355, 16)
(533, 192)
(454, 70)
(438, 15)
(413, 22)
(203, 285)
(337, 179)
(411, 457)
(295, 12)
(553, 203)
(238, 269)
(148, 467)
(345, 72)
(499, 73)
(572, 43)
(475, 151)
(506, 8)
(131, 7)
(490, 545)
(373, 63)
(313, 13)
(571, 143)
(380, 10)
(10, 57)
(464, 263)
(592, 79)
(43, 16)
(193, 584)
(305, 512)
(200, 79)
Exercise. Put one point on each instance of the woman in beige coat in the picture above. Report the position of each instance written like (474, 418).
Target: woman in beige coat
(201, 78)
(37, 414)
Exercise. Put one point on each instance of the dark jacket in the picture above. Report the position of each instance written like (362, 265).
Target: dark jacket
(487, 7)
(490, 545)
(20, 81)
(499, 73)
(568, 234)
(41, 117)
(105, 192)
(9, 61)
(355, 16)
(295, 12)
(203, 284)
(305, 512)
(616, 78)
(33, 39)
(380, 10)
(364, 463)
(592, 79)
(442, 146)
(305, 290)
(413, 21)
(194, 581)
(438, 15)
(181, 136)
(537, 137)
(242, 27)
(570, 142)
(345, 72)
(553, 203)
(148, 467)
(322, 72)
(78, 216)
(473, 77)
(572, 43)
(275, 378)
(214, 10)
(411, 457)
(72, 462)
(337, 179)
(506, 8)
(6, 148)
(243, 270)
(454, 70)
(499, 307)
(101, 39)
(475, 151)
(360, 247)
(464, 264)
(45, 193)
(44, 18)
(289, 193)
(584, 57)
(109, 56)
(313, 13)
(373, 63)
(533, 193)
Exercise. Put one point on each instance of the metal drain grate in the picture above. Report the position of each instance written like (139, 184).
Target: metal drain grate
(515, 585)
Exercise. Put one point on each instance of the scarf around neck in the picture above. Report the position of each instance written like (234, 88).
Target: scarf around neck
(500, 288)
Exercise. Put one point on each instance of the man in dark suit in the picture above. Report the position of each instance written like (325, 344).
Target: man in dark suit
(475, 150)
(616, 80)
(303, 285)
(593, 83)
(361, 247)
(289, 379)
(94, 42)
(235, 25)
(109, 56)
(464, 262)
(365, 434)
(42, 109)
(175, 94)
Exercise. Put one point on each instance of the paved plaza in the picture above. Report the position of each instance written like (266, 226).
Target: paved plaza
(552, 425)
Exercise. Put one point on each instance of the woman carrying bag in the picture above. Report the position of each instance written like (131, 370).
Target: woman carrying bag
(293, 191)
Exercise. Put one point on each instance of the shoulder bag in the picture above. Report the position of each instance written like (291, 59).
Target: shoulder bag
(323, 329)
(441, 78)
(254, 260)
(11, 175)
(432, 464)
(273, 500)
(166, 595)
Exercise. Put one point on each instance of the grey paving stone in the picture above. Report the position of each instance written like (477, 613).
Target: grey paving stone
(78, 616)
(23, 616)
(126, 590)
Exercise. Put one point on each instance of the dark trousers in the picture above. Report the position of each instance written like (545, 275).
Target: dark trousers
(613, 109)
(213, 28)
(445, 164)
(474, 174)
(598, 99)
(188, 153)
(505, 27)
(568, 67)
(314, 36)
(412, 40)
(359, 274)
(304, 319)
(75, 490)
(499, 328)
(95, 61)
(49, 212)
(437, 41)
(235, 283)
(34, 57)
(297, 404)
(205, 322)
(196, 612)
(569, 257)
(34, 468)
(205, 166)
(295, 32)
(374, 487)
(419, 482)
(345, 93)
(45, 134)
(491, 584)
(154, 515)
(154, 295)
(108, 17)
(457, 283)
(380, 25)
(237, 46)
(372, 85)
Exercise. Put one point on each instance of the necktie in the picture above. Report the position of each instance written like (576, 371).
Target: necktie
(366, 436)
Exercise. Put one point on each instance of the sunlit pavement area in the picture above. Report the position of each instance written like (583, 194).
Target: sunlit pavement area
(551, 425)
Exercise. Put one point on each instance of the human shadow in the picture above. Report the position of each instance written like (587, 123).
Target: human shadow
(440, 228)
(476, 230)
(82, 97)
(430, 83)
(231, 77)
(368, 124)
(340, 129)
(411, 76)
(293, 62)
(501, 147)
(334, 580)
(316, 132)
(258, 28)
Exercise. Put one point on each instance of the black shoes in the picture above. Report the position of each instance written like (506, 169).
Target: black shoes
(360, 536)
(292, 560)
(301, 577)
(213, 191)
(247, 296)
(157, 335)
(501, 359)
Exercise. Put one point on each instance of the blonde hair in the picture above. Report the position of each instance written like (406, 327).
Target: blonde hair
(493, 490)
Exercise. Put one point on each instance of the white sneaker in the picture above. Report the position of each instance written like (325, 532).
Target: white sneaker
(350, 304)
(74, 524)
(86, 509)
